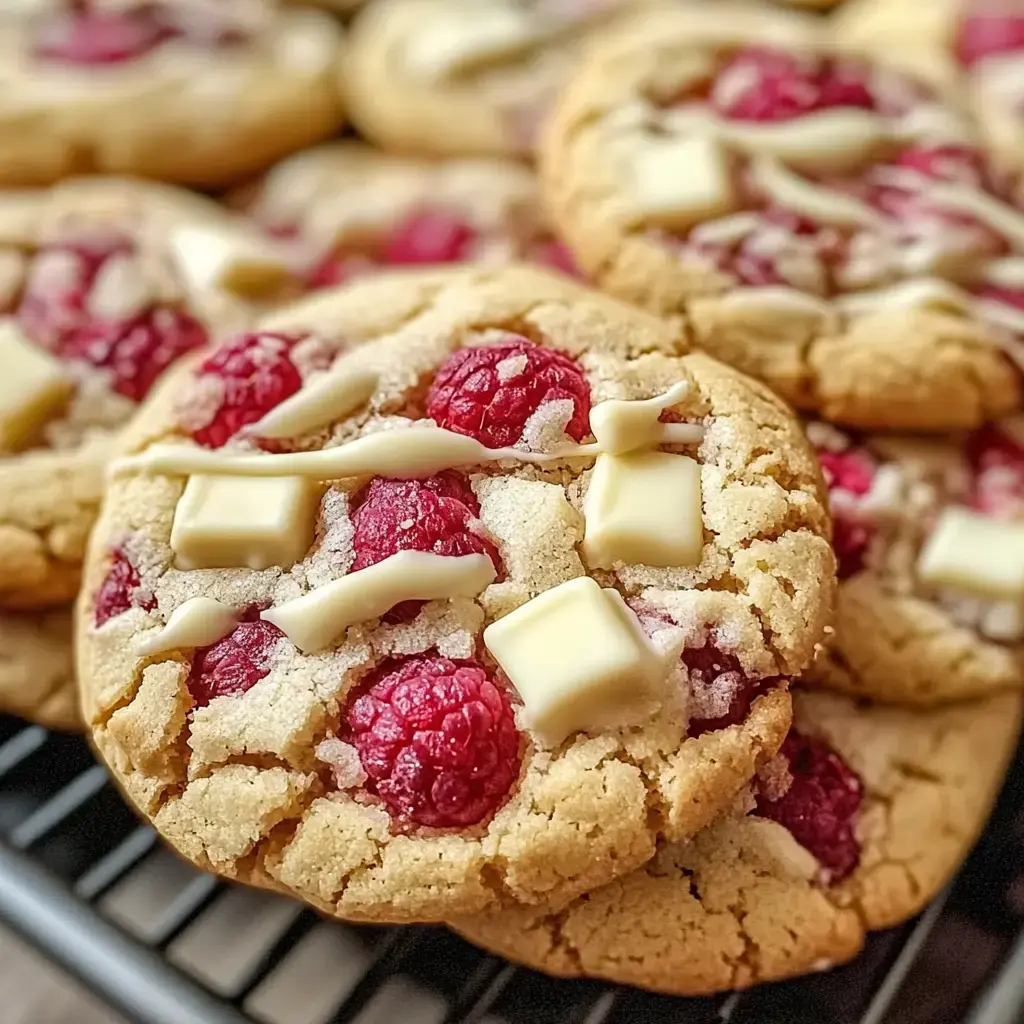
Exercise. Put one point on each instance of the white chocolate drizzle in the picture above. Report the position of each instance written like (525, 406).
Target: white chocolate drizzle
(315, 620)
(324, 400)
(199, 622)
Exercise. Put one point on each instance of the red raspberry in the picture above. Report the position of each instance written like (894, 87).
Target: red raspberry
(988, 33)
(337, 268)
(120, 590)
(821, 806)
(947, 162)
(851, 470)
(137, 351)
(437, 739)
(236, 663)
(721, 691)
(87, 36)
(430, 236)
(997, 465)
(470, 397)
(246, 379)
(760, 84)
(555, 255)
(851, 538)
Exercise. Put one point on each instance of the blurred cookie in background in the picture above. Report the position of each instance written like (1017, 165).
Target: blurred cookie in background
(346, 209)
(37, 674)
(463, 77)
(188, 91)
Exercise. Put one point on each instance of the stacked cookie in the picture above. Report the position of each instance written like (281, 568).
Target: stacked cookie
(515, 595)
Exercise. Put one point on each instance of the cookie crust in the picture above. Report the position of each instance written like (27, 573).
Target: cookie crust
(916, 365)
(236, 787)
(737, 907)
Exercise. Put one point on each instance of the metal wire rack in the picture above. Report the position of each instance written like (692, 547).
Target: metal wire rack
(89, 886)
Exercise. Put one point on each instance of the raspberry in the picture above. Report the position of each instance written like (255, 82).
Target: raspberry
(555, 255)
(137, 351)
(947, 162)
(236, 663)
(851, 470)
(430, 236)
(851, 538)
(485, 393)
(759, 84)
(986, 34)
(997, 466)
(87, 36)
(821, 806)
(848, 473)
(337, 268)
(720, 690)
(119, 590)
(416, 515)
(437, 740)
(247, 377)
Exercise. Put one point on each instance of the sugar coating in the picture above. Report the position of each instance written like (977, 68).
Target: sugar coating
(581, 811)
(740, 904)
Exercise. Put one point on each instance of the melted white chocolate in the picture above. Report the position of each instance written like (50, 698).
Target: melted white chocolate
(622, 425)
(198, 622)
(315, 620)
(324, 400)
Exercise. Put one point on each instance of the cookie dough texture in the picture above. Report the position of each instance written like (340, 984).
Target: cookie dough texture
(37, 674)
(921, 368)
(740, 905)
(236, 786)
(185, 112)
(463, 77)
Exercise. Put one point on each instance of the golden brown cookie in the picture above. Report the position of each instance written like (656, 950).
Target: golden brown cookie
(348, 209)
(825, 224)
(463, 77)
(477, 668)
(37, 672)
(194, 91)
(896, 797)
(103, 283)
(920, 527)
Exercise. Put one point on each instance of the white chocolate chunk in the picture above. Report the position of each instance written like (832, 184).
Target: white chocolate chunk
(225, 258)
(324, 400)
(975, 554)
(919, 293)
(446, 46)
(315, 620)
(199, 622)
(33, 386)
(579, 660)
(623, 426)
(224, 522)
(680, 181)
(643, 508)
(1001, 217)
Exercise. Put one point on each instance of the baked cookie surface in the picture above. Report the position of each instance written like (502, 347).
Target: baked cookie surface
(193, 91)
(822, 223)
(348, 210)
(895, 797)
(101, 289)
(928, 534)
(37, 671)
(463, 77)
(365, 718)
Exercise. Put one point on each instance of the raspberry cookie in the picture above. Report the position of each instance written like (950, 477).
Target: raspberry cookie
(822, 223)
(930, 541)
(463, 77)
(505, 650)
(37, 673)
(859, 821)
(194, 91)
(350, 210)
(103, 284)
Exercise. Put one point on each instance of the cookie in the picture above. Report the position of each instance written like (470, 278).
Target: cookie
(463, 77)
(894, 799)
(822, 223)
(37, 672)
(193, 91)
(103, 283)
(916, 621)
(533, 678)
(349, 209)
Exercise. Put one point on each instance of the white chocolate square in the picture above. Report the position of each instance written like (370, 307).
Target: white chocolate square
(225, 522)
(224, 257)
(643, 508)
(975, 554)
(447, 45)
(33, 386)
(679, 181)
(578, 658)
